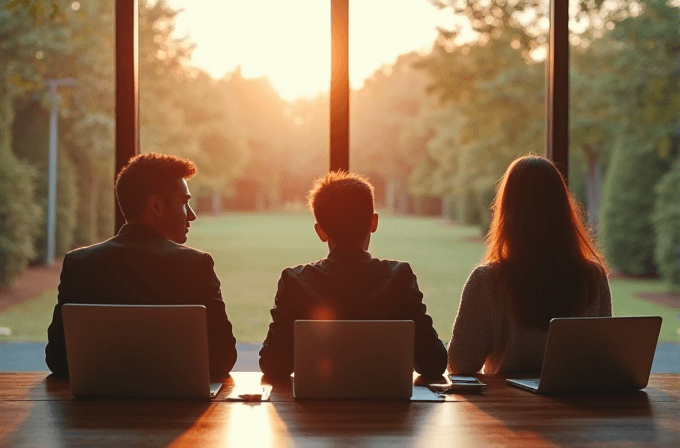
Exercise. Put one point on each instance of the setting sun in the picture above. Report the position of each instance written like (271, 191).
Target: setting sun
(289, 42)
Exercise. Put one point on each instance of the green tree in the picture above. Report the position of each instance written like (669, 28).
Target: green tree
(499, 96)
(380, 111)
(31, 144)
(667, 226)
(25, 32)
(624, 78)
(627, 233)
(20, 217)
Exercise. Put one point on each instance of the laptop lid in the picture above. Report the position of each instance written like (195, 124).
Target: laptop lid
(599, 353)
(137, 350)
(353, 359)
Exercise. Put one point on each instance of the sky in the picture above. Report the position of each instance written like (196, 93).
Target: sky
(289, 40)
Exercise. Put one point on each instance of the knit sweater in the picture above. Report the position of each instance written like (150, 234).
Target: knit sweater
(486, 334)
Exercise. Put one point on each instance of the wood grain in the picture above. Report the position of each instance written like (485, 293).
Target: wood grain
(39, 411)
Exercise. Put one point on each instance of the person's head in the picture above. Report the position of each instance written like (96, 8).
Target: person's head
(342, 204)
(152, 190)
(538, 239)
(534, 209)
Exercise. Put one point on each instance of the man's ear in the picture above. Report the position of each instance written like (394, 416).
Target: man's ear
(156, 205)
(319, 231)
(374, 223)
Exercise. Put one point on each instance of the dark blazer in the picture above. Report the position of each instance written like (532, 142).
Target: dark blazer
(139, 267)
(351, 285)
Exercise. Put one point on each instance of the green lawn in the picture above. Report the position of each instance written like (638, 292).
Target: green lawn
(250, 250)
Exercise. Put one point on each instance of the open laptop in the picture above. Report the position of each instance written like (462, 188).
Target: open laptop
(353, 359)
(596, 354)
(138, 351)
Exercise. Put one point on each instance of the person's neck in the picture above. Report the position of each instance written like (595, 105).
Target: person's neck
(142, 222)
(361, 245)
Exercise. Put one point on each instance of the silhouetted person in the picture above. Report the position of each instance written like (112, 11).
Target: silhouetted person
(147, 263)
(349, 284)
(539, 264)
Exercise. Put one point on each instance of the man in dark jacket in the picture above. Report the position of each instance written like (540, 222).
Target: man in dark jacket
(146, 263)
(349, 284)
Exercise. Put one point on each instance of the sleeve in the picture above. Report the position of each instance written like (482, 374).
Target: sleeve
(471, 334)
(276, 355)
(605, 297)
(55, 351)
(221, 341)
(430, 353)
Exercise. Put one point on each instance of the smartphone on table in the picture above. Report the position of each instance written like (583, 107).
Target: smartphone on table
(459, 384)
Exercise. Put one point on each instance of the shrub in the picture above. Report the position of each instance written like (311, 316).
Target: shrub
(20, 217)
(30, 143)
(626, 230)
(667, 225)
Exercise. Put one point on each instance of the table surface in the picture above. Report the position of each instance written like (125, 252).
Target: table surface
(38, 410)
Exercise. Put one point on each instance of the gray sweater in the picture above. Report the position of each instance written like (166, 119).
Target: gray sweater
(485, 333)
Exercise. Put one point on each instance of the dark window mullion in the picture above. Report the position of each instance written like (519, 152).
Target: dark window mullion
(127, 88)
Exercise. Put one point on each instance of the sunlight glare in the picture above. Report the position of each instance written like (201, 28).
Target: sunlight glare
(289, 42)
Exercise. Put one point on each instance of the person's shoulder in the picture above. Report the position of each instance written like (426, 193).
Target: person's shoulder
(84, 252)
(301, 270)
(597, 269)
(187, 254)
(484, 271)
(390, 267)
(482, 275)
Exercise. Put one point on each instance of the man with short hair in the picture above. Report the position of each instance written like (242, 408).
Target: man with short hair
(146, 263)
(349, 284)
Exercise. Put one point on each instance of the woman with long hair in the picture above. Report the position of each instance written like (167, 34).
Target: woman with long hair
(539, 264)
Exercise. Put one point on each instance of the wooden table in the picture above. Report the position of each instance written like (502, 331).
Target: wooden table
(36, 410)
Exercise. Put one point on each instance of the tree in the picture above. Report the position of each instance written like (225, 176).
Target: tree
(25, 32)
(667, 226)
(498, 96)
(627, 233)
(390, 98)
(624, 76)
(31, 144)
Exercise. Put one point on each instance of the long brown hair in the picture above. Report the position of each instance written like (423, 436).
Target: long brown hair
(539, 244)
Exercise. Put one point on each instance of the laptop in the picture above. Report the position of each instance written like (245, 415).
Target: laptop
(596, 354)
(353, 359)
(138, 351)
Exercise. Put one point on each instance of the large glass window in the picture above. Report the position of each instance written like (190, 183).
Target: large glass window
(444, 95)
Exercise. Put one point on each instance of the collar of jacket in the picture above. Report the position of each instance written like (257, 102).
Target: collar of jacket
(348, 253)
(138, 230)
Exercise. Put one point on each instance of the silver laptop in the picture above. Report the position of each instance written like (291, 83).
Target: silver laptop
(353, 359)
(138, 351)
(592, 354)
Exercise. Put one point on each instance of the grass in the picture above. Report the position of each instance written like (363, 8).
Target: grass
(250, 250)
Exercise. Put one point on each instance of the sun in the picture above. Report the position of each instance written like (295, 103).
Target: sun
(289, 41)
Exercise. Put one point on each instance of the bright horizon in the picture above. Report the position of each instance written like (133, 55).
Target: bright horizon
(289, 42)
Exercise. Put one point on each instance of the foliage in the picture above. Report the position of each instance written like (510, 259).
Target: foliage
(26, 31)
(627, 76)
(31, 144)
(19, 217)
(491, 105)
(667, 226)
(390, 98)
(180, 108)
(627, 233)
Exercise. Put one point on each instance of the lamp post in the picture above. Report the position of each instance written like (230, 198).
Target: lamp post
(52, 168)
